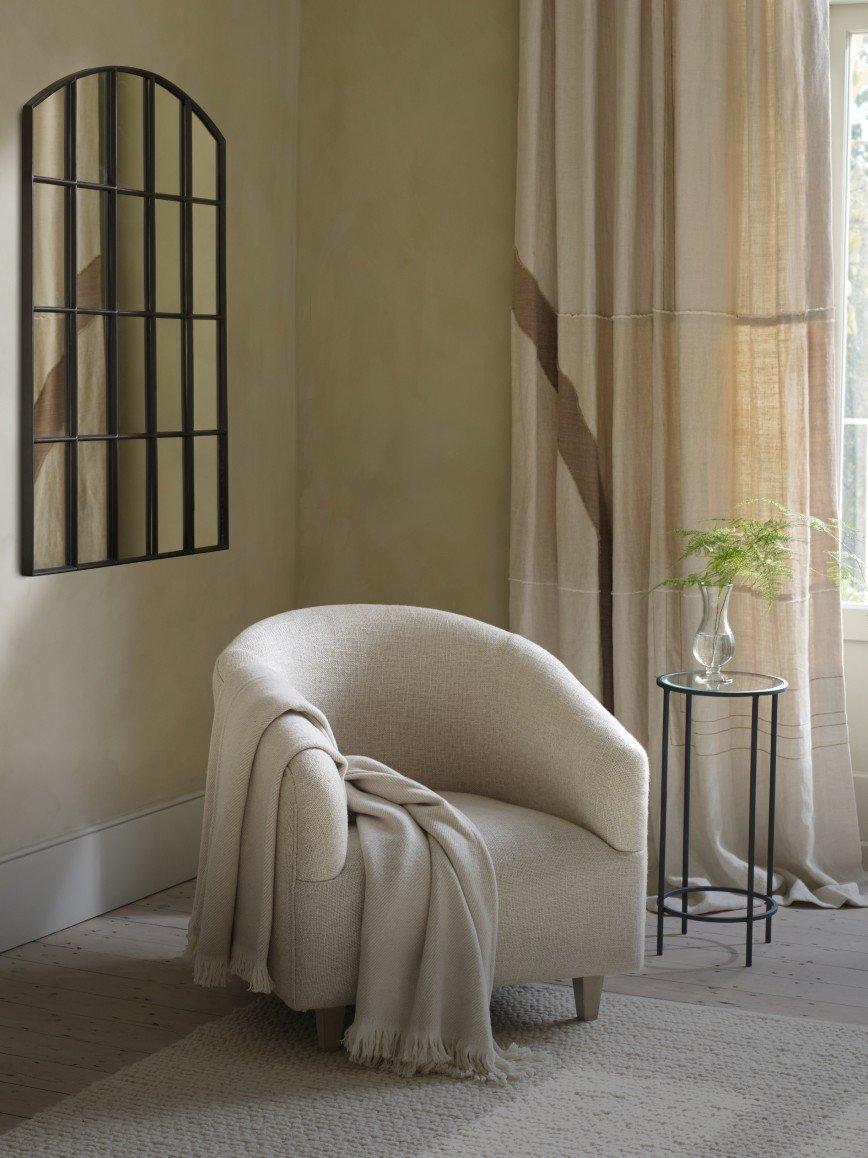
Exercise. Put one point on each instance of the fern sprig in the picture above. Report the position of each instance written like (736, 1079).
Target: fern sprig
(759, 553)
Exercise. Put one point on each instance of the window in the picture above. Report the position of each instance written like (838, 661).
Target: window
(124, 449)
(849, 69)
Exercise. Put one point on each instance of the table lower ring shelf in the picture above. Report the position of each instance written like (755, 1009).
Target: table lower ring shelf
(771, 905)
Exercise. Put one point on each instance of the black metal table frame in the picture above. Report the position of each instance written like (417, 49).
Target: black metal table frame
(752, 896)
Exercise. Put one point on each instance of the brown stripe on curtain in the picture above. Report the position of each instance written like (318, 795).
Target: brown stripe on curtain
(537, 318)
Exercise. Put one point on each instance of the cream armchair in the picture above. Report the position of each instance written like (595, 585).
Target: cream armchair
(496, 724)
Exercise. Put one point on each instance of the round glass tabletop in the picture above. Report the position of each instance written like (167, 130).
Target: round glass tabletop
(741, 683)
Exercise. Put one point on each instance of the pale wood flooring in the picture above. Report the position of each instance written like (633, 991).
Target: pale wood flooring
(82, 1003)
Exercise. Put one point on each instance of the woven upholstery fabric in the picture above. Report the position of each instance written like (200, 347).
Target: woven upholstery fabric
(556, 786)
(460, 706)
(570, 906)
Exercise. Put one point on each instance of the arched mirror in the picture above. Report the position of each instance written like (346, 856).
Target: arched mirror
(124, 437)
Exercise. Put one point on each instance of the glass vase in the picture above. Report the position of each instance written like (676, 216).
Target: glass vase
(713, 644)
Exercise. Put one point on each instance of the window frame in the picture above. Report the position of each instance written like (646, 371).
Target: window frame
(186, 315)
(845, 20)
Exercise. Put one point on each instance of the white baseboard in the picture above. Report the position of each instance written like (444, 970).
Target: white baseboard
(71, 879)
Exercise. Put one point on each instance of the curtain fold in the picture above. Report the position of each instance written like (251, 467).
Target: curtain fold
(673, 356)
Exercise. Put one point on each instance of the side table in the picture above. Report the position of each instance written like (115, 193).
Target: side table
(741, 684)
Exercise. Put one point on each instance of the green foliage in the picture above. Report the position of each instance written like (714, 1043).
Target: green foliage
(758, 553)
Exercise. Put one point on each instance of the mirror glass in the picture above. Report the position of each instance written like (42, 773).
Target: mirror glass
(205, 415)
(170, 495)
(92, 502)
(49, 375)
(167, 215)
(130, 131)
(90, 128)
(206, 490)
(169, 379)
(204, 259)
(92, 350)
(131, 375)
(48, 140)
(131, 252)
(125, 339)
(48, 245)
(49, 505)
(167, 141)
(91, 219)
(204, 157)
(132, 498)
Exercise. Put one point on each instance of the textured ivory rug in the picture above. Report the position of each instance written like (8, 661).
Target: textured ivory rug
(648, 1078)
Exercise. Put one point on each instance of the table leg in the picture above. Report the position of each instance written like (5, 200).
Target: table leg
(751, 828)
(770, 859)
(685, 829)
(661, 858)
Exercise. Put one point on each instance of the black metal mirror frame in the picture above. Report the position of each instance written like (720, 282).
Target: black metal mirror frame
(186, 316)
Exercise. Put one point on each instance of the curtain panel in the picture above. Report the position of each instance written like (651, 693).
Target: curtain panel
(673, 357)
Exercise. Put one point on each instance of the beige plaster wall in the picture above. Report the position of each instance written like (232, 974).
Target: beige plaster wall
(105, 675)
(406, 193)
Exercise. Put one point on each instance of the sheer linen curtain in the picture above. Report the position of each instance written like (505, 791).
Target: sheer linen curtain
(673, 357)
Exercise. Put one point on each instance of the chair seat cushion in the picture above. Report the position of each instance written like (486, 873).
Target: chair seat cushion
(567, 907)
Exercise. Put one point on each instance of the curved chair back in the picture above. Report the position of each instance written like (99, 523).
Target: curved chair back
(421, 690)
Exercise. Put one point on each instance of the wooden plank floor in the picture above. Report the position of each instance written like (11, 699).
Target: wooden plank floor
(82, 1003)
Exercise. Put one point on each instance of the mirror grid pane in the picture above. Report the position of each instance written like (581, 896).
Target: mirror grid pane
(121, 373)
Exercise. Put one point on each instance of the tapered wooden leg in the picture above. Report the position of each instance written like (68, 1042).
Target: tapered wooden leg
(587, 991)
(330, 1027)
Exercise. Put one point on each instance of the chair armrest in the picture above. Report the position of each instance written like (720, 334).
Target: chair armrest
(561, 752)
(312, 814)
(312, 805)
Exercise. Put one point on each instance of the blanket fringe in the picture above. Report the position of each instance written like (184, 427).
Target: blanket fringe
(404, 1055)
(211, 971)
(251, 970)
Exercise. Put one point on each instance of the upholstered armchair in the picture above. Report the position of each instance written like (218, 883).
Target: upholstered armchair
(496, 724)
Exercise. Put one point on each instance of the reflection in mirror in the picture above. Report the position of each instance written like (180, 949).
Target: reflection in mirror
(204, 157)
(48, 140)
(92, 502)
(48, 272)
(49, 374)
(206, 490)
(204, 259)
(90, 128)
(132, 498)
(130, 130)
(49, 505)
(92, 355)
(169, 380)
(131, 252)
(167, 216)
(167, 141)
(91, 216)
(170, 495)
(131, 375)
(205, 375)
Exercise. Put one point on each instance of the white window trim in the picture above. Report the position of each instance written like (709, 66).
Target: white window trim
(845, 18)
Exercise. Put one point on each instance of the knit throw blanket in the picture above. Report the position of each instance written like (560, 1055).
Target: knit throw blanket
(429, 923)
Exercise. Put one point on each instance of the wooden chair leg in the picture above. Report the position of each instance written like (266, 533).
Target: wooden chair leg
(330, 1027)
(587, 991)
